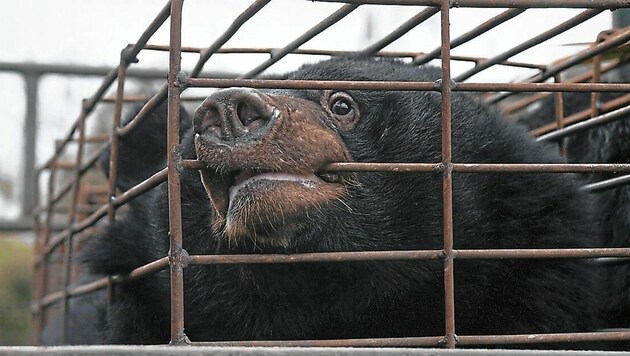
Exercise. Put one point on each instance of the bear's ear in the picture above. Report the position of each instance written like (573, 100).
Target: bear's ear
(342, 108)
(142, 152)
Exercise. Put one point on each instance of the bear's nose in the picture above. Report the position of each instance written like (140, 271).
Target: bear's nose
(235, 115)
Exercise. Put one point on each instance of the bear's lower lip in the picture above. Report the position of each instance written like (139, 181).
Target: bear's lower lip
(224, 189)
(310, 181)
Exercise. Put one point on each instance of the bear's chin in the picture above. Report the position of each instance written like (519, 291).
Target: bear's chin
(270, 209)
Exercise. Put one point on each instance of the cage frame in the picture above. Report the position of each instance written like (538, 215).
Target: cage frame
(47, 242)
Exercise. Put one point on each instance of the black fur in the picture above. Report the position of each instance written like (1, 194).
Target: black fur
(381, 211)
(143, 150)
(609, 143)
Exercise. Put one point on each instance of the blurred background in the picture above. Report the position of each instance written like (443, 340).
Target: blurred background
(54, 54)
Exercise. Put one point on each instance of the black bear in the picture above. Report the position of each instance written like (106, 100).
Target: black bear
(263, 190)
(608, 143)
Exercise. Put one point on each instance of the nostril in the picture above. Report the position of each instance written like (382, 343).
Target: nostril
(232, 115)
(211, 121)
(249, 117)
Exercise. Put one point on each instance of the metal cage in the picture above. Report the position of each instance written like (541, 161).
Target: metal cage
(55, 250)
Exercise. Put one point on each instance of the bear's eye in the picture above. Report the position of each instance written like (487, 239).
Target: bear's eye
(344, 109)
(340, 107)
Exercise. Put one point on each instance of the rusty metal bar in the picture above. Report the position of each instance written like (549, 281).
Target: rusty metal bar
(534, 41)
(38, 316)
(141, 188)
(462, 167)
(558, 101)
(481, 167)
(178, 337)
(130, 98)
(599, 4)
(115, 139)
(93, 286)
(146, 110)
(465, 340)
(405, 86)
(123, 198)
(560, 114)
(307, 36)
(481, 29)
(37, 292)
(410, 24)
(326, 52)
(542, 253)
(447, 179)
(596, 78)
(389, 255)
(352, 256)
(317, 257)
(433, 341)
(612, 42)
(141, 98)
(587, 124)
(523, 103)
(165, 48)
(408, 255)
(607, 107)
(97, 138)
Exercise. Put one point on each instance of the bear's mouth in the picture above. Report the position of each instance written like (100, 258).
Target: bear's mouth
(264, 198)
(224, 188)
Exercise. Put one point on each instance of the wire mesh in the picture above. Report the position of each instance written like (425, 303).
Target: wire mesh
(63, 243)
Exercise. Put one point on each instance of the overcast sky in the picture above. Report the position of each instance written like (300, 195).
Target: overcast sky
(92, 32)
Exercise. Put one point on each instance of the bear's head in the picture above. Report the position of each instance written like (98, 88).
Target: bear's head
(265, 151)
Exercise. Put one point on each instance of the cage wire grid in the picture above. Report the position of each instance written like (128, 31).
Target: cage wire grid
(81, 218)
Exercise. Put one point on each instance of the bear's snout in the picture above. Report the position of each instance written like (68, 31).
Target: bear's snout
(235, 115)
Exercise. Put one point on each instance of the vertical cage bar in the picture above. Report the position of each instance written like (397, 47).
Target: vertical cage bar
(174, 190)
(596, 78)
(447, 182)
(115, 140)
(38, 266)
(559, 114)
(67, 260)
(42, 257)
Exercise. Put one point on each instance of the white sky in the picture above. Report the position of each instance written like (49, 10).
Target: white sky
(92, 32)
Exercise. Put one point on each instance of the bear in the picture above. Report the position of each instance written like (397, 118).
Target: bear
(608, 143)
(263, 189)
